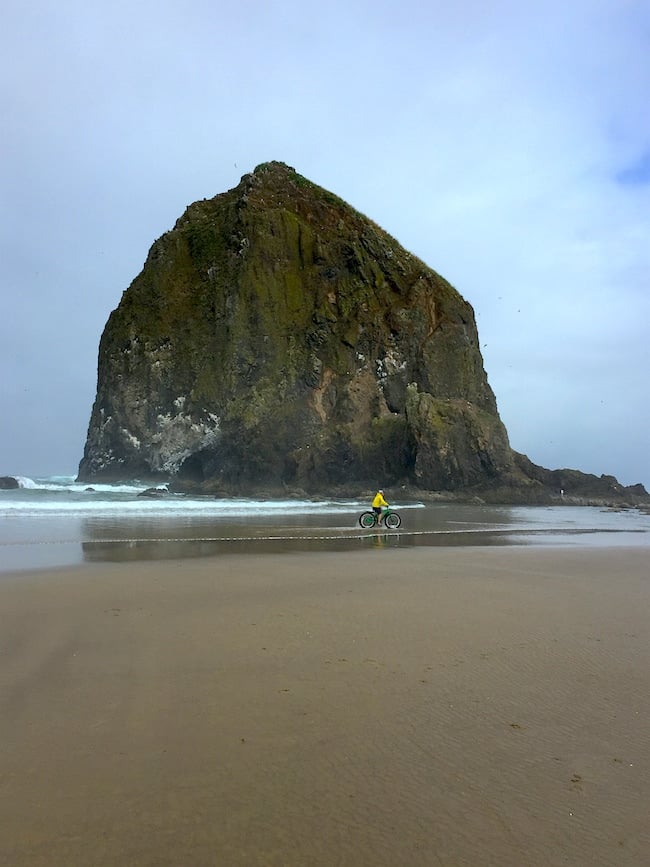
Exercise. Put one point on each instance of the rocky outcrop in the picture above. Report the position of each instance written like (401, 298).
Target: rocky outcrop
(8, 483)
(567, 485)
(278, 339)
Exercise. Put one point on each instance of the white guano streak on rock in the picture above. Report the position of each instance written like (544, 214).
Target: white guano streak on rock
(177, 437)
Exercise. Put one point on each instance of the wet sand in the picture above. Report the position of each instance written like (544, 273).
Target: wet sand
(429, 706)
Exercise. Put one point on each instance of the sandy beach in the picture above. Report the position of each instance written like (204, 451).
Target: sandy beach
(424, 706)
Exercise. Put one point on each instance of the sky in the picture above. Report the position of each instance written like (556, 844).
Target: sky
(506, 144)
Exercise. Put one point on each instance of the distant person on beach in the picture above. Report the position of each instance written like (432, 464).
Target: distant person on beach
(378, 503)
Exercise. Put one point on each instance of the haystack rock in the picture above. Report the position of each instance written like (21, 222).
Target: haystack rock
(277, 339)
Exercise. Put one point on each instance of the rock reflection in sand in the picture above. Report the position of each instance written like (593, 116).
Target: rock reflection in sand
(431, 526)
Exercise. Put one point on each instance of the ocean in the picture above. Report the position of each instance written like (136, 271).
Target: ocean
(55, 521)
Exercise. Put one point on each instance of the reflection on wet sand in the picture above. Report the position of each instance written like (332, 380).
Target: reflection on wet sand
(123, 540)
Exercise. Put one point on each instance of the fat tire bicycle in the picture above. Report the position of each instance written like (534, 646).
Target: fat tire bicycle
(388, 517)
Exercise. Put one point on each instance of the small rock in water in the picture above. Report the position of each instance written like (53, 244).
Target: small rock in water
(154, 493)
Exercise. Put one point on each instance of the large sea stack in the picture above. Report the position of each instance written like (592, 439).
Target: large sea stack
(277, 339)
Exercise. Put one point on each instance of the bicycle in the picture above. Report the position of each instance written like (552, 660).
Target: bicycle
(391, 519)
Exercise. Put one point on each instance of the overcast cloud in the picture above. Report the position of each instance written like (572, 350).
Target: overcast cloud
(507, 145)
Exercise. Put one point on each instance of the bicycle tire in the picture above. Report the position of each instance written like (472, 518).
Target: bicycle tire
(367, 520)
(392, 521)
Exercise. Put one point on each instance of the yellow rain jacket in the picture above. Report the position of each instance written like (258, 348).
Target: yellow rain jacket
(379, 500)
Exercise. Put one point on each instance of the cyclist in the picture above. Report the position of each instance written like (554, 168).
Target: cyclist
(378, 503)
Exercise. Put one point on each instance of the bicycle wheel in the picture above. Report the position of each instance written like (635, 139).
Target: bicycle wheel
(367, 520)
(392, 520)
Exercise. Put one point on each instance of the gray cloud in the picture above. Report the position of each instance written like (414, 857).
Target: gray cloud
(505, 145)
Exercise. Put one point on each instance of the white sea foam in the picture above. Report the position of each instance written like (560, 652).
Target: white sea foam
(68, 483)
(97, 506)
(49, 481)
(77, 487)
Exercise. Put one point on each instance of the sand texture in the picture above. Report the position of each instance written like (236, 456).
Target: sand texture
(398, 707)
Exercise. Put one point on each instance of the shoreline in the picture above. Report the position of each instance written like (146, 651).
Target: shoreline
(149, 533)
(393, 706)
